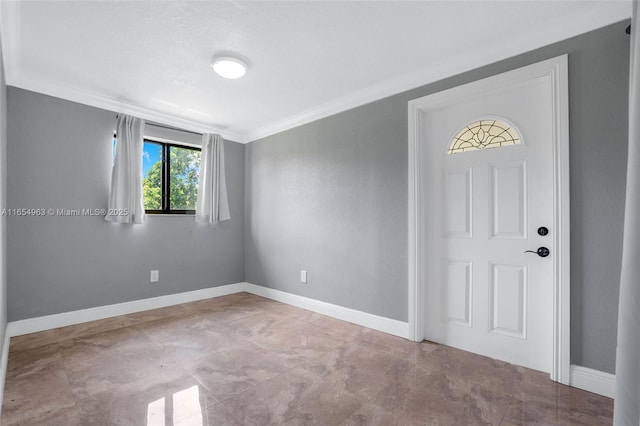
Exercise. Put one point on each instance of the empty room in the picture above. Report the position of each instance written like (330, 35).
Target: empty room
(319, 212)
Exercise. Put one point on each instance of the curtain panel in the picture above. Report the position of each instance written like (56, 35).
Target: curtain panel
(627, 388)
(212, 205)
(126, 204)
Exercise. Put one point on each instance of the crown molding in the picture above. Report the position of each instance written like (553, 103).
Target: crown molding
(599, 15)
(75, 94)
(14, 76)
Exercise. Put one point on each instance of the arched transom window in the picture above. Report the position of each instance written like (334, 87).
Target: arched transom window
(483, 134)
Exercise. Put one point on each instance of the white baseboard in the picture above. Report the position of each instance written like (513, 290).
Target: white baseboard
(386, 325)
(593, 380)
(581, 377)
(33, 325)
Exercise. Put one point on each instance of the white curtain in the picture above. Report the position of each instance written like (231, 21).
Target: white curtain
(212, 205)
(627, 394)
(126, 204)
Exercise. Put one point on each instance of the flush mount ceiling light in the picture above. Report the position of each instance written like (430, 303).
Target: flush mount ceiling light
(229, 67)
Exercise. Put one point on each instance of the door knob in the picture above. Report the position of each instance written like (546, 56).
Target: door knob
(542, 251)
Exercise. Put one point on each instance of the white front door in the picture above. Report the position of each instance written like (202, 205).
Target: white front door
(488, 195)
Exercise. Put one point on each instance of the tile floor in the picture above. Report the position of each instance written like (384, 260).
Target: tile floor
(246, 360)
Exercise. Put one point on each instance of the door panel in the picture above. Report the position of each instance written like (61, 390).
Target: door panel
(458, 293)
(508, 201)
(483, 293)
(508, 298)
(457, 203)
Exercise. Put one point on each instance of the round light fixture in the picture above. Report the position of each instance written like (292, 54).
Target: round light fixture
(228, 67)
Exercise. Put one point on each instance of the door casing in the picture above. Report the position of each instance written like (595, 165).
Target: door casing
(557, 70)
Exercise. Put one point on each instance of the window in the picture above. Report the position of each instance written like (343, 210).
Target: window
(170, 177)
(483, 134)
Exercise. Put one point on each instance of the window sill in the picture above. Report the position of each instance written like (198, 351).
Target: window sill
(169, 215)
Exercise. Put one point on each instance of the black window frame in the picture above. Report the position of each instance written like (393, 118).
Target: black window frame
(165, 180)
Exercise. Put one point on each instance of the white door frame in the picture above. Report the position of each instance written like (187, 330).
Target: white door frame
(556, 70)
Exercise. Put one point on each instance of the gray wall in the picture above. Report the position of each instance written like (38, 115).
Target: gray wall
(3, 199)
(60, 157)
(331, 197)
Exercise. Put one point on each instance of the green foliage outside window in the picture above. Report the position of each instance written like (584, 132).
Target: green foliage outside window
(184, 173)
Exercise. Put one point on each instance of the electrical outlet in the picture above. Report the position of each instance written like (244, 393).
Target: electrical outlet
(303, 277)
(154, 276)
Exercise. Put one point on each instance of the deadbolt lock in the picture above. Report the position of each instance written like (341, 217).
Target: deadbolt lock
(543, 230)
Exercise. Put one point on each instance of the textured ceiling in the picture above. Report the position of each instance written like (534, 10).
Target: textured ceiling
(306, 59)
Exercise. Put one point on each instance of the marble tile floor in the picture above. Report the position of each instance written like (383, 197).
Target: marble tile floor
(245, 360)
